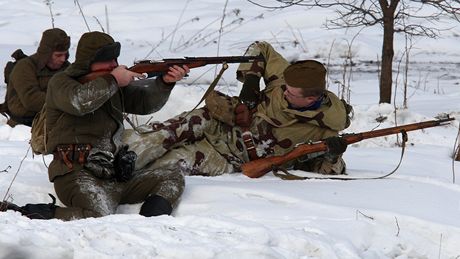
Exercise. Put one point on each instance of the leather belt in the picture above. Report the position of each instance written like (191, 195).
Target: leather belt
(70, 153)
(249, 144)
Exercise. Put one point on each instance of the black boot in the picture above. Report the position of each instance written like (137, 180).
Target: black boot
(155, 205)
(39, 211)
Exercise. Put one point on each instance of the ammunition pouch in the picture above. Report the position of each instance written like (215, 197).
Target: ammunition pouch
(71, 153)
(221, 107)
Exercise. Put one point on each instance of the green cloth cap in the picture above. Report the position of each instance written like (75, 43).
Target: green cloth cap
(307, 74)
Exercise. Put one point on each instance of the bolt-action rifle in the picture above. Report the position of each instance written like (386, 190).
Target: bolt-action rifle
(159, 67)
(260, 167)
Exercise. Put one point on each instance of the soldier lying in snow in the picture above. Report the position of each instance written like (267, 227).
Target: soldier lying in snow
(294, 108)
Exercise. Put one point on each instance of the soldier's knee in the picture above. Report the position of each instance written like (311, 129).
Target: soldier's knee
(177, 181)
(170, 173)
(176, 177)
(172, 185)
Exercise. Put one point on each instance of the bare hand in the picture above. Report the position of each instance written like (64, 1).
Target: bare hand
(175, 74)
(124, 76)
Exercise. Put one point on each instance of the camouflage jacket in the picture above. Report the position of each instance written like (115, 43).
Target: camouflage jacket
(276, 129)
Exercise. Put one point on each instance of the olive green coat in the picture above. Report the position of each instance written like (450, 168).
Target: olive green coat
(92, 113)
(26, 90)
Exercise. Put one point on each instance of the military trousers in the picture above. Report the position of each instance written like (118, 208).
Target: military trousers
(88, 196)
(190, 144)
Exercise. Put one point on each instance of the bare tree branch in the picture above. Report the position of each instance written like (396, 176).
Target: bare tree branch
(410, 17)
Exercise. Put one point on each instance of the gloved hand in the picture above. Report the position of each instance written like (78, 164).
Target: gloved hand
(250, 91)
(124, 164)
(39, 211)
(243, 116)
(336, 145)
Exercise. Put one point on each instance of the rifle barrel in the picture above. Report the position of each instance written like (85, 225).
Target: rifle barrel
(353, 138)
(206, 60)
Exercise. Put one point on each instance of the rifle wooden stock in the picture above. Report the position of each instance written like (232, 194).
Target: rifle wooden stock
(260, 167)
(155, 68)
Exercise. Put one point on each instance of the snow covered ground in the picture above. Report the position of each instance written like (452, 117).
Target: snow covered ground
(412, 214)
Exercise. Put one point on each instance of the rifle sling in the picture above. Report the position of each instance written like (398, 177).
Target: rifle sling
(210, 88)
(285, 175)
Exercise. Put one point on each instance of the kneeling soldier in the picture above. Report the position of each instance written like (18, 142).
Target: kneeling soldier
(92, 171)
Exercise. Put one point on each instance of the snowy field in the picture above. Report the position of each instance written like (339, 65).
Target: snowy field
(415, 213)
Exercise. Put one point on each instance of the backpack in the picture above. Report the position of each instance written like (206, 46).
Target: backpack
(38, 130)
(16, 55)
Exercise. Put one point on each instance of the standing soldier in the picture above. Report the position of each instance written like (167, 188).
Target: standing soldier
(28, 81)
(295, 107)
(92, 171)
